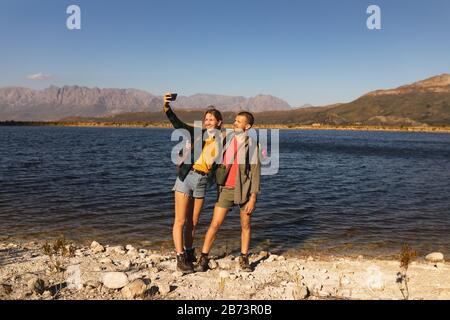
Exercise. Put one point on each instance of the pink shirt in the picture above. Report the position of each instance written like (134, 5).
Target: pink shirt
(231, 179)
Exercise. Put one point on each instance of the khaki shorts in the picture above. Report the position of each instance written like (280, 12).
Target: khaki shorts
(226, 199)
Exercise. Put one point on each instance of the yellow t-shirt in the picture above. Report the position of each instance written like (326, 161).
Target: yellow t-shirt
(207, 157)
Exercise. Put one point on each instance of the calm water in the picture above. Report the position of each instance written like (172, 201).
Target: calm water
(341, 192)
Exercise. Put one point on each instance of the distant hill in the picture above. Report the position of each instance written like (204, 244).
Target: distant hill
(422, 103)
(425, 102)
(54, 103)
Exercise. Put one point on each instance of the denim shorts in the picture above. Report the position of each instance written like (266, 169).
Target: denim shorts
(194, 185)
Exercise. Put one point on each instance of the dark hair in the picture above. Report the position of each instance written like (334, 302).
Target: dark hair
(216, 113)
(248, 116)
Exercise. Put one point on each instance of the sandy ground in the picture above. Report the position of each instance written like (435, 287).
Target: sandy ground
(28, 271)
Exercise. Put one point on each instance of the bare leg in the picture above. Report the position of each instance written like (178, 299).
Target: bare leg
(192, 222)
(183, 205)
(246, 232)
(217, 220)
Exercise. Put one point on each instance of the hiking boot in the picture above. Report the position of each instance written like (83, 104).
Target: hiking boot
(244, 264)
(202, 265)
(190, 255)
(183, 265)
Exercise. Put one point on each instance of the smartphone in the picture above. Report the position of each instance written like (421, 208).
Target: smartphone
(173, 97)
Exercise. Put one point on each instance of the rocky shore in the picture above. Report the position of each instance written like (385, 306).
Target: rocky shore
(57, 270)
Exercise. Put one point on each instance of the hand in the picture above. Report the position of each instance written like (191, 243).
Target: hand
(167, 100)
(250, 206)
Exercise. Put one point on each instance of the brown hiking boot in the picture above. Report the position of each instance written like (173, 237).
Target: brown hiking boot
(244, 264)
(202, 265)
(183, 265)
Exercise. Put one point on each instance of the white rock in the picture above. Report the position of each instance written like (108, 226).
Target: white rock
(435, 257)
(116, 250)
(294, 291)
(310, 258)
(134, 289)
(129, 247)
(281, 258)
(164, 288)
(272, 258)
(96, 247)
(300, 292)
(212, 264)
(126, 264)
(114, 280)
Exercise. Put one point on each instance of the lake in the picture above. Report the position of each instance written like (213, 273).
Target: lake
(339, 192)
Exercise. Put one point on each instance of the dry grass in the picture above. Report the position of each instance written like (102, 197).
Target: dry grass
(407, 255)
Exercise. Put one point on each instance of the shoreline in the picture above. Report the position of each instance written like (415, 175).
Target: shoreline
(152, 125)
(63, 270)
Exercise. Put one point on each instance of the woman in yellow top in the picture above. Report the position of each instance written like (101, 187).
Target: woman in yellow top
(190, 186)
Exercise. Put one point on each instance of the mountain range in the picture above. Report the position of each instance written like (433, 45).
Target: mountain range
(425, 102)
(53, 103)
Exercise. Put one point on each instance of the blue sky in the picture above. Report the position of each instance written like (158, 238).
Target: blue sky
(316, 52)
